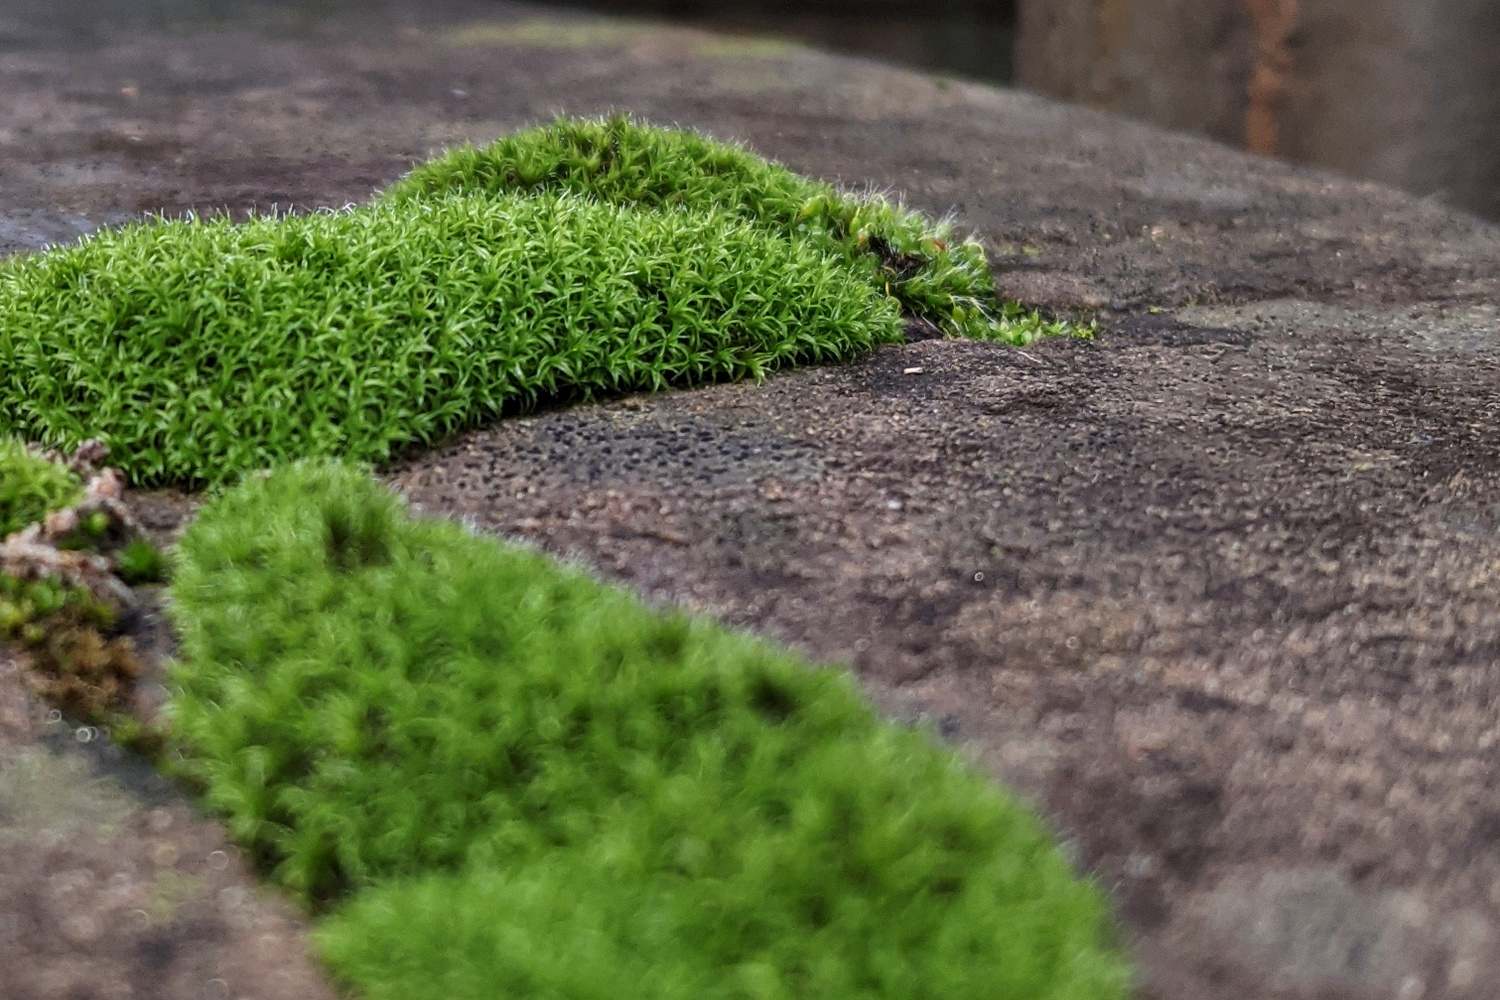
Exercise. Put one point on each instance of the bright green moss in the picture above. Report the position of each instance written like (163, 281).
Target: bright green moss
(31, 486)
(199, 350)
(584, 258)
(920, 262)
(510, 780)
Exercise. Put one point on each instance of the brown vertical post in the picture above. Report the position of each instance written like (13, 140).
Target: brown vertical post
(1270, 79)
(1401, 91)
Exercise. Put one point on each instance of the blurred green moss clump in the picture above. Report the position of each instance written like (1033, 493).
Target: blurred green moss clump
(31, 486)
(491, 772)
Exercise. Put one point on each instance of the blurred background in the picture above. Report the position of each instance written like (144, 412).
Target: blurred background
(1406, 92)
(970, 38)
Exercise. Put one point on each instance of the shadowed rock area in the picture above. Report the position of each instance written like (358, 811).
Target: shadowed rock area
(1219, 591)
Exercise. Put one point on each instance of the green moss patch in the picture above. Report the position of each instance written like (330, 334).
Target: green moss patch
(584, 258)
(31, 487)
(76, 663)
(488, 776)
(199, 350)
(920, 263)
(494, 777)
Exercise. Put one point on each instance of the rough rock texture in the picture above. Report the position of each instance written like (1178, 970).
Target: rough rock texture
(112, 887)
(1248, 666)
(1399, 91)
(1219, 590)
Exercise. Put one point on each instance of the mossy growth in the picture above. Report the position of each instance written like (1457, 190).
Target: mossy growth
(933, 274)
(31, 486)
(78, 661)
(77, 664)
(139, 561)
(581, 259)
(201, 349)
(492, 776)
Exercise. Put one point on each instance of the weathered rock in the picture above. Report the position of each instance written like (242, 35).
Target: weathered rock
(1217, 590)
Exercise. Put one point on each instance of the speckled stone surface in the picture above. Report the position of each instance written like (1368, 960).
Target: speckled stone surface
(1218, 591)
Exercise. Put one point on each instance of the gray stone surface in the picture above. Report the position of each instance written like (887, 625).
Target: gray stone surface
(1217, 591)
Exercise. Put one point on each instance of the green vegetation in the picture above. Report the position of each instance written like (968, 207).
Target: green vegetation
(202, 349)
(141, 562)
(495, 777)
(31, 487)
(488, 776)
(22, 602)
(76, 664)
(920, 263)
(579, 259)
(76, 661)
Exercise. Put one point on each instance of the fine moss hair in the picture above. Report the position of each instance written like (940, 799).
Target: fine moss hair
(933, 274)
(202, 349)
(489, 776)
(584, 258)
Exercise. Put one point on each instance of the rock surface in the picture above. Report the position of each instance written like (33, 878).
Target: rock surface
(1219, 591)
